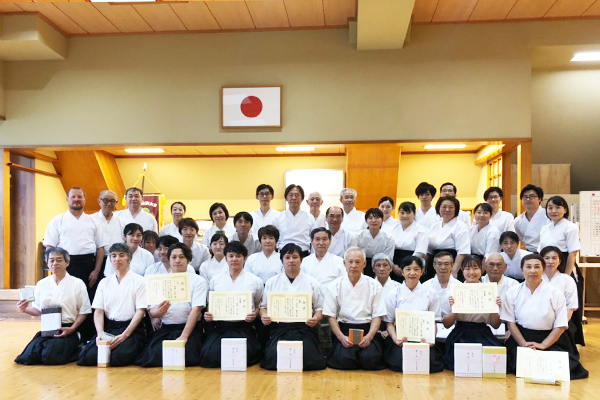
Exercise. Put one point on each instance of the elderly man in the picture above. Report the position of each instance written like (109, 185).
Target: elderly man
(265, 215)
(495, 267)
(112, 225)
(449, 190)
(81, 236)
(354, 308)
(341, 239)
(354, 220)
(134, 211)
(315, 201)
(57, 290)
(440, 283)
(322, 265)
(293, 279)
(119, 305)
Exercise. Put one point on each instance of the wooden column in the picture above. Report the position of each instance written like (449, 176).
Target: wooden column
(5, 220)
(524, 168)
(507, 183)
(372, 170)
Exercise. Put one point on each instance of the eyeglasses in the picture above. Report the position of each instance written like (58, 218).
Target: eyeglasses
(493, 197)
(264, 194)
(530, 197)
(107, 202)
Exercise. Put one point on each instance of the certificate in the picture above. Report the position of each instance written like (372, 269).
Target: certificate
(230, 306)
(475, 298)
(289, 306)
(553, 365)
(174, 288)
(415, 325)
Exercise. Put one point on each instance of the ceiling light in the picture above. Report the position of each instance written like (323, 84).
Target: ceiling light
(586, 56)
(138, 151)
(445, 146)
(295, 148)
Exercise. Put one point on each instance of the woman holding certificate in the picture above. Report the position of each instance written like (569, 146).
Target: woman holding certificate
(140, 259)
(485, 237)
(411, 296)
(119, 304)
(374, 240)
(179, 320)
(57, 290)
(450, 235)
(298, 323)
(242, 291)
(536, 315)
(411, 238)
(469, 328)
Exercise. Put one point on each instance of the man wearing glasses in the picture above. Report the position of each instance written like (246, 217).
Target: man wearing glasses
(265, 215)
(111, 224)
(529, 224)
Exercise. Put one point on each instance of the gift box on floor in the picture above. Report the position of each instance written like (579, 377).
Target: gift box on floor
(289, 356)
(468, 360)
(173, 355)
(103, 353)
(233, 354)
(415, 358)
(494, 362)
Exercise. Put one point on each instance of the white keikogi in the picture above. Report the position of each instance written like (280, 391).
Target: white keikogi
(70, 294)
(140, 260)
(245, 281)
(442, 293)
(389, 286)
(120, 300)
(263, 267)
(160, 268)
(414, 238)
(259, 220)
(325, 271)
(354, 221)
(564, 235)
(212, 267)
(77, 236)
(172, 230)
(302, 283)
(143, 218)
(567, 286)
(503, 221)
(200, 254)
(357, 304)
(421, 298)
(529, 231)
(513, 265)
(341, 241)
(429, 219)
(504, 284)
(453, 235)
(178, 312)
(485, 241)
(228, 230)
(389, 224)
(382, 243)
(113, 229)
(294, 228)
(252, 244)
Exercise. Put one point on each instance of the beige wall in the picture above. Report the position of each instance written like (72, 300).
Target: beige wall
(565, 107)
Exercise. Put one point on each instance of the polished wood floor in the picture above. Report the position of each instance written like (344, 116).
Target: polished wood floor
(73, 382)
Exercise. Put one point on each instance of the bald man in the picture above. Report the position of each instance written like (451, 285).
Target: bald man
(110, 223)
(495, 267)
(315, 201)
(341, 240)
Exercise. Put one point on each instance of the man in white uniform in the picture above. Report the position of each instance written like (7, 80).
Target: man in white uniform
(529, 224)
(495, 268)
(265, 215)
(426, 214)
(449, 190)
(81, 236)
(440, 283)
(134, 211)
(354, 220)
(315, 201)
(112, 225)
(322, 265)
(341, 239)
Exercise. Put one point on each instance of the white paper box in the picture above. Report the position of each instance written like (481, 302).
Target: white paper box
(289, 356)
(233, 354)
(51, 321)
(103, 354)
(468, 360)
(415, 358)
(494, 362)
(173, 355)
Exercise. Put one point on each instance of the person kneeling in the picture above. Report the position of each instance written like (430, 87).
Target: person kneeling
(119, 305)
(179, 321)
(353, 302)
(294, 280)
(57, 290)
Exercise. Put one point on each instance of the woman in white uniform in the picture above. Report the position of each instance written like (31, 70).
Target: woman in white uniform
(386, 205)
(178, 210)
(410, 295)
(180, 320)
(293, 280)
(267, 263)
(554, 275)
(469, 328)
(502, 220)
(450, 235)
(219, 215)
(536, 315)
(234, 279)
(564, 234)
(374, 240)
(57, 290)
(150, 242)
(119, 305)
(243, 232)
(217, 264)
(485, 238)
(188, 228)
(512, 254)
(141, 258)
(162, 250)
(410, 238)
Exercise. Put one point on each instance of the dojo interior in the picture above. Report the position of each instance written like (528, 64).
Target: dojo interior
(81, 82)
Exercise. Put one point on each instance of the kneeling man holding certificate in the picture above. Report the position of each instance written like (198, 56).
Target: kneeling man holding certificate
(292, 304)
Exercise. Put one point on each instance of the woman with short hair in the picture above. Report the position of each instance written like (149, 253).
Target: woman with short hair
(141, 258)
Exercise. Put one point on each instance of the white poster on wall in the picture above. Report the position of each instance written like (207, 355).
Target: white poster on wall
(328, 182)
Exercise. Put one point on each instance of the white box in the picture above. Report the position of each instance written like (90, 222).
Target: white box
(289, 356)
(173, 355)
(415, 358)
(468, 360)
(233, 354)
(494, 362)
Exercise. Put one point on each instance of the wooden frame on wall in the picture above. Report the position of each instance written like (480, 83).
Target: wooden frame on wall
(251, 107)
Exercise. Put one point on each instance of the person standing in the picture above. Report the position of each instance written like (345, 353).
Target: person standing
(354, 220)
(341, 240)
(135, 213)
(112, 225)
(265, 215)
(178, 210)
(315, 201)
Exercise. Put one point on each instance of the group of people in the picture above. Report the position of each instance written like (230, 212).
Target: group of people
(359, 267)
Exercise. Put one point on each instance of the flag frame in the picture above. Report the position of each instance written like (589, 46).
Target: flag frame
(226, 124)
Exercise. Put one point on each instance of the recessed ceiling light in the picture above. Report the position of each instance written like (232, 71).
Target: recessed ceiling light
(586, 56)
(295, 148)
(445, 146)
(138, 151)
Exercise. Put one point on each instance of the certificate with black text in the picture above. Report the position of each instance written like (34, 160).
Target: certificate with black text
(289, 306)
(230, 306)
(174, 288)
(415, 325)
(475, 298)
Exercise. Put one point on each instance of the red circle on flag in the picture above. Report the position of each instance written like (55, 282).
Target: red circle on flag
(251, 106)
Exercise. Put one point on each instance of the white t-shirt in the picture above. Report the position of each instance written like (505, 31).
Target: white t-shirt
(77, 236)
(325, 271)
(140, 260)
(421, 298)
(414, 238)
(302, 283)
(503, 221)
(259, 220)
(113, 229)
(529, 231)
(245, 281)
(382, 243)
(429, 219)
(564, 235)
(294, 228)
(513, 266)
(542, 310)
(485, 241)
(357, 304)
(263, 267)
(120, 300)
(354, 221)
(172, 230)
(453, 235)
(143, 218)
(212, 267)
(70, 294)
(178, 313)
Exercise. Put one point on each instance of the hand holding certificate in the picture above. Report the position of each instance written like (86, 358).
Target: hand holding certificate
(174, 288)
(415, 325)
(475, 298)
(230, 306)
(289, 306)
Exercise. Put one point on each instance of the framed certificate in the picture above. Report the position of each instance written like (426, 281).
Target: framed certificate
(415, 325)
(230, 306)
(475, 298)
(174, 288)
(289, 306)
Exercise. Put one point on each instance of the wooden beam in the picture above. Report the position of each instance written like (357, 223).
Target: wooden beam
(34, 154)
(36, 171)
(5, 219)
(507, 183)
(524, 168)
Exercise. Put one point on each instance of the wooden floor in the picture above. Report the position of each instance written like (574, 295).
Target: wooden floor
(73, 382)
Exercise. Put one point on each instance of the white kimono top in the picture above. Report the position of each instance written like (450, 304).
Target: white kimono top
(264, 267)
(414, 238)
(429, 219)
(294, 228)
(564, 235)
(389, 224)
(442, 293)
(178, 313)
(421, 298)
(252, 244)
(228, 230)
(200, 254)
(302, 283)
(325, 271)
(145, 219)
(382, 243)
(172, 230)
(354, 221)
(542, 310)
(70, 294)
(513, 266)
(259, 220)
(342, 241)
(485, 241)
(77, 236)
(567, 286)
(245, 281)
(503, 221)
(453, 235)
(212, 267)
(529, 231)
(120, 300)
(113, 229)
(357, 304)
(140, 260)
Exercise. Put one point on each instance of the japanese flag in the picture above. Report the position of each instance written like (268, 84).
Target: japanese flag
(251, 107)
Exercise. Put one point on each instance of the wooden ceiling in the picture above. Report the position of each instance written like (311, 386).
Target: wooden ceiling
(82, 18)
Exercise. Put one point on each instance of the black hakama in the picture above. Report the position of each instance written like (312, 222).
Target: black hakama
(467, 332)
(123, 354)
(368, 271)
(563, 343)
(370, 358)
(576, 323)
(50, 350)
(210, 354)
(313, 358)
(152, 354)
(393, 358)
